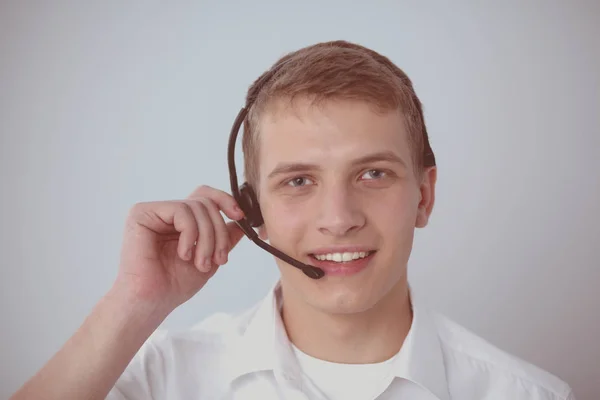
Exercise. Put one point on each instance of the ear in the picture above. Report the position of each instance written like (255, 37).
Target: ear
(427, 194)
(262, 233)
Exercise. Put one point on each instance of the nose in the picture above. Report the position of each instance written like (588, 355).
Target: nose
(340, 211)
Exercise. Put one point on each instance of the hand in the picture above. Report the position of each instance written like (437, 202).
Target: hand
(172, 248)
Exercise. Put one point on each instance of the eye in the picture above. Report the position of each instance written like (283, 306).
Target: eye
(299, 181)
(373, 174)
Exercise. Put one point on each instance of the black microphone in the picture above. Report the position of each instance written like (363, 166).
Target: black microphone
(247, 200)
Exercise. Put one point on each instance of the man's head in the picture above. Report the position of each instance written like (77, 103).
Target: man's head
(336, 149)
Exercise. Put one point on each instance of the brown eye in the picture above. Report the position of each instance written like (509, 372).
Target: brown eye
(373, 174)
(299, 181)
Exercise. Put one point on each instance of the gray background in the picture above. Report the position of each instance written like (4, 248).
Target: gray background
(104, 104)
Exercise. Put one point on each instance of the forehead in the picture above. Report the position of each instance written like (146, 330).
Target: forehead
(330, 134)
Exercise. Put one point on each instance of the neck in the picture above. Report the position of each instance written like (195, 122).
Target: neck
(372, 336)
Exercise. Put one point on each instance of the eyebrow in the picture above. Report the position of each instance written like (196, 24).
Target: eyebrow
(285, 168)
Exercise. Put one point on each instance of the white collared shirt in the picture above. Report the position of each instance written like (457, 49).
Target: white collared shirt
(249, 356)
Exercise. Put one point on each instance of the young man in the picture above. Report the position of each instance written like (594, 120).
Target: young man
(337, 152)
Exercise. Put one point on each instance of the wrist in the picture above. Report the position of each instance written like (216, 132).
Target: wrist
(131, 309)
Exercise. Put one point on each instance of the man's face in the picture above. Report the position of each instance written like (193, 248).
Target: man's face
(338, 179)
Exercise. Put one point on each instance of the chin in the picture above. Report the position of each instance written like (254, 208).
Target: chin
(339, 299)
(346, 305)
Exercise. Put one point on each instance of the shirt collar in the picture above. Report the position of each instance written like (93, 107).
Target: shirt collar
(264, 345)
(420, 359)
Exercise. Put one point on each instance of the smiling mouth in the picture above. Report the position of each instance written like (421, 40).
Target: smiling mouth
(342, 257)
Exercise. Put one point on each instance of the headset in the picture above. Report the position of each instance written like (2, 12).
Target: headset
(246, 197)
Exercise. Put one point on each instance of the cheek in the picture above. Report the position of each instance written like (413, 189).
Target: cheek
(395, 217)
(285, 222)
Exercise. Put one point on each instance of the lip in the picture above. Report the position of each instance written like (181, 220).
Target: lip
(333, 268)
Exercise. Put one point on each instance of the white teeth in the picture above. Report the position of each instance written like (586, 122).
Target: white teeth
(341, 257)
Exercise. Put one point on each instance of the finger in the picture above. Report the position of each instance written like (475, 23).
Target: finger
(184, 221)
(222, 245)
(155, 216)
(206, 236)
(168, 217)
(224, 201)
(235, 234)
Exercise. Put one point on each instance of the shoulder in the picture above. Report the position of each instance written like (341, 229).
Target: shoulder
(180, 364)
(475, 363)
(211, 338)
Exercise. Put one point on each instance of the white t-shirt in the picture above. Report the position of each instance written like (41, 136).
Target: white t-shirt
(345, 381)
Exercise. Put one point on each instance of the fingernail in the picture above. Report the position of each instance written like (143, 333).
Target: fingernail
(223, 256)
(238, 210)
(188, 255)
(206, 265)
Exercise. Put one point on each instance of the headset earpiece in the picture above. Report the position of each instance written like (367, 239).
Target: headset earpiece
(249, 204)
